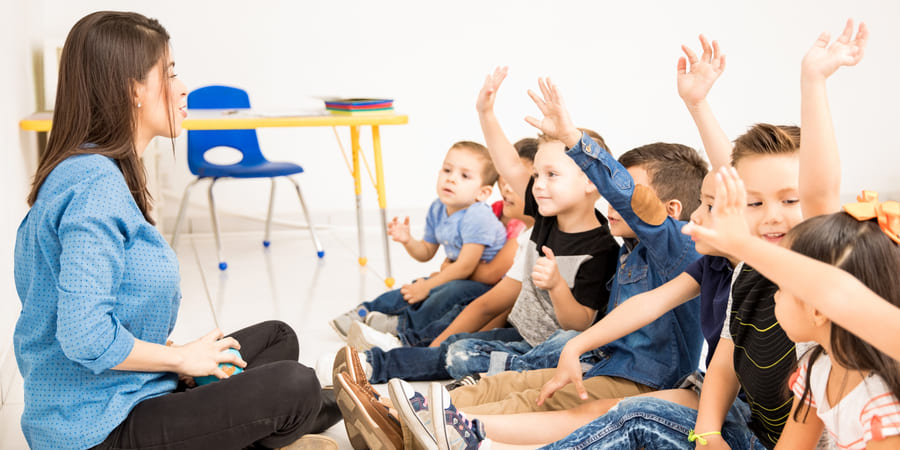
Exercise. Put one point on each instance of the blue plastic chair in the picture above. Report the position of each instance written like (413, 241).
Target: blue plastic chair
(252, 165)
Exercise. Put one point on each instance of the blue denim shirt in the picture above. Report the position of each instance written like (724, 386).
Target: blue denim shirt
(668, 349)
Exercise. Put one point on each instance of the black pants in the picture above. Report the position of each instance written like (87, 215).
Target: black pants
(274, 402)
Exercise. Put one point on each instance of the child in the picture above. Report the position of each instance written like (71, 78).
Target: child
(461, 222)
(844, 383)
(655, 252)
(511, 212)
(754, 353)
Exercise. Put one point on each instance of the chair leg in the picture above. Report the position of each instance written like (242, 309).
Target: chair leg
(266, 240)
(215, 223)
(312, 230)
(181, 211)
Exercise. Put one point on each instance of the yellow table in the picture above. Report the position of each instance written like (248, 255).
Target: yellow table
(246, 119)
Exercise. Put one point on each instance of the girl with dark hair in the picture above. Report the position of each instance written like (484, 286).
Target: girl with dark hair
(100, 286)
(844, 383)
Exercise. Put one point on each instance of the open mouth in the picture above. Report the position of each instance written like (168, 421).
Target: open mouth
(773, 237)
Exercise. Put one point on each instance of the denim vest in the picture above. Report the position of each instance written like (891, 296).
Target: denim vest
(660, 354)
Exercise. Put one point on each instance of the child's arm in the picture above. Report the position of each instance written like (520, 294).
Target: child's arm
(626, 318)
(503, 153)
(720, 388)
(483, 310)
(421, 251)
(820, 163)
(570, 314)
(693, 87)
(822, 285)
(462, 268)
(492, 271)
(798, 435)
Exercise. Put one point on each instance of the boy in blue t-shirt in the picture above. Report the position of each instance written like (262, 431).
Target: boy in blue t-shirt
(461, 222)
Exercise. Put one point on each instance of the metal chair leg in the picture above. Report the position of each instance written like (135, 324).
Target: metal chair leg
(212, 213)
(266, 240)
(312, 230)
(181, 210)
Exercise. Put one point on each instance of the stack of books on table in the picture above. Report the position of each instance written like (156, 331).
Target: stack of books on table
(360, 106)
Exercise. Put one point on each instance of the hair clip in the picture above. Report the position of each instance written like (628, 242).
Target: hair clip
(868, 207)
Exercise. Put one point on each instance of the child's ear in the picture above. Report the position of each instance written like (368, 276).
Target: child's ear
(674, 208)
(589, 186)
(484, 193)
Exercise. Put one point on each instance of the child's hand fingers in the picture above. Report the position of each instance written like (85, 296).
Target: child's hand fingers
(847, 33)
(538, 101)
(533, 122)
(682, 66)
(691, 56)
(707, 50)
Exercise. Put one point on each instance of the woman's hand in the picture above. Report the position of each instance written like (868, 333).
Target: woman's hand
(203, 356)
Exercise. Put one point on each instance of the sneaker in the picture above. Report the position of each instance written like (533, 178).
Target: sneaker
(385, 323)
(415, 417)
(372, 423)
(451, 428)
(468, 380)
(312, 442)
(341, 323)
(364, 337)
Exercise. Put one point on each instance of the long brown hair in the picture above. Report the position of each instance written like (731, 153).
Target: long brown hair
(863, 250)
(105, 54)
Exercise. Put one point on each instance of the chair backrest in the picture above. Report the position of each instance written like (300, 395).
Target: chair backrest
(201, 141)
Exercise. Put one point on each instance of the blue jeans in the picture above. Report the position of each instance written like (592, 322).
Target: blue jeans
(440, 300)
(422, 337)
(476, 355)
(424, 363)
(647, 422)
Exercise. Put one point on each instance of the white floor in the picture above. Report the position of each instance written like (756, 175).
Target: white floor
(285, 282)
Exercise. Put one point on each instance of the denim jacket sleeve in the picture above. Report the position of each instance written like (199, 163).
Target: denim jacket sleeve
(668, 248)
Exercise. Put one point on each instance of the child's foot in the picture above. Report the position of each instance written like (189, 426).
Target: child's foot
(364, 337)
(468, 380)
(385, 323)
(341, 323)
(451, 428)
(415, 417)
(369, 423)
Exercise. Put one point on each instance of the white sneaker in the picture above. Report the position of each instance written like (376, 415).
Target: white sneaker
(324, 369)
(364, 337)
(386, 323)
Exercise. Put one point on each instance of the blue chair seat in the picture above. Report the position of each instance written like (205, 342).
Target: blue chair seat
(239, 170)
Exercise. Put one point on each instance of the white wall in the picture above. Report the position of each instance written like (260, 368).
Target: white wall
(614, 60)
(16, 21)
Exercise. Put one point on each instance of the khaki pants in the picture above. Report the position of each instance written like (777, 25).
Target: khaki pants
(517, 392)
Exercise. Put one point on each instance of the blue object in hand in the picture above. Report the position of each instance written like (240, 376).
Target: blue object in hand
(228, 368)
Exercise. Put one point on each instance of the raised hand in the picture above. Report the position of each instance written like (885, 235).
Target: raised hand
(556, 122)
(488, 93)
(695, 80)
(399, 231)
(729, 228)
(415, 292)
(545, 273)
(568, 370)
(203, 356)
(823, 59)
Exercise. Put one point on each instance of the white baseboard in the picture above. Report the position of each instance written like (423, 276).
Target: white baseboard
(8, 371)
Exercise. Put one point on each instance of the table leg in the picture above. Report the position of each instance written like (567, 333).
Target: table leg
(382, 203)
(357, 187)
